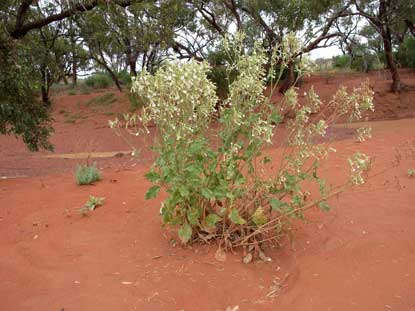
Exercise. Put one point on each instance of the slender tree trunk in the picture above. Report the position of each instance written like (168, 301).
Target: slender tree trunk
(132, 63)
(44, 89)
(104, 64)
(387, 45)
(114, 78)
(74, 63)
(289, 79)
(45, 95)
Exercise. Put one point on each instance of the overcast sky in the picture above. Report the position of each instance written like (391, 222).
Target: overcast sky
(328, 52)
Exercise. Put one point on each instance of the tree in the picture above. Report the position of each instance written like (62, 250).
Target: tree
(270, 21)
(25, 40)
(383, 15)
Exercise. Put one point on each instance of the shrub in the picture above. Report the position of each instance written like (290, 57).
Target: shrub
(124, 77)
(98, 81)
(219, 183)
(342, 61)
(87, 174)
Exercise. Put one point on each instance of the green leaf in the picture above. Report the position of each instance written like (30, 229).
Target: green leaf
(235, 218)
(193, 215)
(152, 192)
(277, 204)
(324, 206)
(212, 219)
(185, 233)
(152, 176)
(276, 118)
(207, 193)
(220, 193)
(259, 218)
(184, 191)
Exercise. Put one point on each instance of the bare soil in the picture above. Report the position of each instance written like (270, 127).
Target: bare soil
(359, 256)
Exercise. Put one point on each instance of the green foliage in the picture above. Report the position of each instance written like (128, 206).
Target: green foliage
(21, 112)
(406, 53)
(363, 62)
(135, 100)
(342, 61)
(87, 174)
(219, 73)
(98, 81)
(92, 204)
(214, 179)
(124, 77)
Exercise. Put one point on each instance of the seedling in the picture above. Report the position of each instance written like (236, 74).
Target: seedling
(92, 204)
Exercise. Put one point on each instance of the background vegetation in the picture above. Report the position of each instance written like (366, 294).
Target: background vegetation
(46, 42)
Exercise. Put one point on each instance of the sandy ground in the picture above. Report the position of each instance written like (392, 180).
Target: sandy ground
(359, 256)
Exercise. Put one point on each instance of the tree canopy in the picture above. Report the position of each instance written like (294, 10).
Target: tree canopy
(43, 42)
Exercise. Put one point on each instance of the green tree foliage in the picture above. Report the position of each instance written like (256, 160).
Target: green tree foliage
(22, 114)
(406, 53)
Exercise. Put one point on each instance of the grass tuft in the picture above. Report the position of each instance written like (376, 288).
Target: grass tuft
(103, 100)
(87, 174)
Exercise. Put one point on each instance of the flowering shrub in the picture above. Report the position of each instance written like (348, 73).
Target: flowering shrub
(218, 180)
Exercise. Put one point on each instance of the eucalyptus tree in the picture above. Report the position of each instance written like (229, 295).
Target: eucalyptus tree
(272, 20)
(25, 35)
(391, 20)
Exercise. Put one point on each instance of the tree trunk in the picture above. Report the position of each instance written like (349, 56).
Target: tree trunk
(289, 79)
(44, 87)
(132, 63)
(103, 63)
(387, 45)
(114, 78)
(74, 63)
(45, 96)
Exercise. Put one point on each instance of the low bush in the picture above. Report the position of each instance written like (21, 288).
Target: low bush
(87, 174)
(124, 77)
(219, 182)
(98, 81)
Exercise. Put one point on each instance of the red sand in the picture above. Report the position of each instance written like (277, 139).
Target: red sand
(360, 256)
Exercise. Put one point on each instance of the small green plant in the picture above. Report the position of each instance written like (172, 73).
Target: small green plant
(92, 204)
(411, 172)
(72, 92)
(103, 100)
(87, 174)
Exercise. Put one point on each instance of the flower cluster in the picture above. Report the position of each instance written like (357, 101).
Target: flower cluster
(359, 163)
(179, 98)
